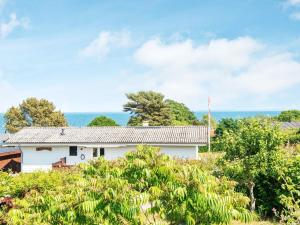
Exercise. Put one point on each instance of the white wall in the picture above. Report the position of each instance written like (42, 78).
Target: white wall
(188, 152)
(42, 160)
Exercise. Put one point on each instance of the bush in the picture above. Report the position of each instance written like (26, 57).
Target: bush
(292, 136)
(255, 155)
(289, 116)
(102, 121)
(145, 187)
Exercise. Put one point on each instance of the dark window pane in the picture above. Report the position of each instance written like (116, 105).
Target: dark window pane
(95, 152)
(73, 150)
(101, 151)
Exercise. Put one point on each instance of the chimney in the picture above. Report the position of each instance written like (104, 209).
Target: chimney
(145, 123)
(62, 131)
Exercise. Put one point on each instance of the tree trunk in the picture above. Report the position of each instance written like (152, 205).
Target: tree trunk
(252, 199)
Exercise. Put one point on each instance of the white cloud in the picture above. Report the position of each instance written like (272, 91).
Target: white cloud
(239, 72)
(221, 53)
(12, 24)
(105, 43)
(293, 2)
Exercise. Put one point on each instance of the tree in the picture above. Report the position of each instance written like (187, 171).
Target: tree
(102, 121)
(289, 116)
(226, 124)
(147, 106)
(180, 114)
(250, 150)
(33, 112)
(204, 121)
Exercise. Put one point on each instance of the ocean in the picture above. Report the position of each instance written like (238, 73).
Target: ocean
(82, 119)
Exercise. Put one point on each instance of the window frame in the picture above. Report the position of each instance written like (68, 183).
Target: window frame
(95, 152)
(72, 149)
(102, 152)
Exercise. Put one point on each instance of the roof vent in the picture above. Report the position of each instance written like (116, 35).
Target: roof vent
(145, 123)
(62, 131)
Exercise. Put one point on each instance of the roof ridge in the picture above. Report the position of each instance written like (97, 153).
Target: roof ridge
(97, 127)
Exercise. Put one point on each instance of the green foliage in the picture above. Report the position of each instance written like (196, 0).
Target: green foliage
(204, 121)
(147, 106)
(33, 112)
(249, 151)
(227, 124)
(145, 187)
(289, 116)
(181, 115)
(292, 136)
(290, 194)
(254, 155)
(102, 121)
(152, 107)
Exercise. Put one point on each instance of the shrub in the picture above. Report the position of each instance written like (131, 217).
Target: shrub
(102, 121)
(145, 187)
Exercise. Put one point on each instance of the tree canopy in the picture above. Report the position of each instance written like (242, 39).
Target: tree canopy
(289, 116)
(250, 150)
(152, 107)
(204, 121)
(226, 124)
(33, 112)
(102, 121)
(147, 106)
(180, 114)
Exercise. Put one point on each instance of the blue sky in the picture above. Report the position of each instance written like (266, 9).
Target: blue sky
(85, 55)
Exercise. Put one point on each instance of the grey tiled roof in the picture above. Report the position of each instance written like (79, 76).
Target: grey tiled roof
(290, 125)
(121, 135)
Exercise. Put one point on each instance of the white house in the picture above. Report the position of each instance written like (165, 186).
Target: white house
(43, 146)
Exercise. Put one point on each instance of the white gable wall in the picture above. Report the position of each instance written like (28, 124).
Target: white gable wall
(42, 160)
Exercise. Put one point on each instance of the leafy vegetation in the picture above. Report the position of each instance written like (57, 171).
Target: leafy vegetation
(147, 106)
(226, 124)
(249, 151)
(180, 114)
(204, 121)
(289, 116)
(152, 107)
(33, 112)
(145, 187)
(102, 121)
(292, 136)
(265, 169)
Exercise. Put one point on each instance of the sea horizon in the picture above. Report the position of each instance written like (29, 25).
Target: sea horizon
(81, 119)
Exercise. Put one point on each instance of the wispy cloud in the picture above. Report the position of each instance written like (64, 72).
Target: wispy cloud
(8, 27)
(241, 70)
(293, 2)
(105, 43)
(292, 6)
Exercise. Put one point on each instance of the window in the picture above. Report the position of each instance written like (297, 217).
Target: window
(43, 148)
(95, 152)
(73, 150)
(101, 151)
